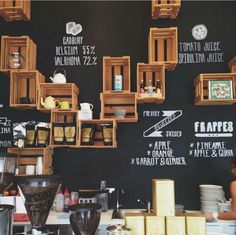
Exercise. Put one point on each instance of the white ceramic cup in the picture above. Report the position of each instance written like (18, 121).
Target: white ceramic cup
(86, 106)
(30, 170)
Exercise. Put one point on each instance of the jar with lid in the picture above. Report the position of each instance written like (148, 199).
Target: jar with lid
(15, 60)
(118, 230)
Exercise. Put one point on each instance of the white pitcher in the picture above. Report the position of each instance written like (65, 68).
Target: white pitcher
(86, 106)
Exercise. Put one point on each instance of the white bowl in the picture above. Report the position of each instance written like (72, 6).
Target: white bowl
(120, 113)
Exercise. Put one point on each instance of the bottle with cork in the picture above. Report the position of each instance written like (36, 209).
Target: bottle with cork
(158, 87)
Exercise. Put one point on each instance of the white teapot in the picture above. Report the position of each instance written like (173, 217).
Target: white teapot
(86, 106)
(59, 77)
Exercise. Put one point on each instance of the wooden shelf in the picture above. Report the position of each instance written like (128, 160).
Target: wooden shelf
(232, 65)
(15, 9)
(202, 88)
(165, 9)
(63, 118)
(98, 136)
(28, 156)
(22, 44)
(163, 46)
(24, 84)
(114, 101)
(62, 92)
(113, 66)
(153, 72)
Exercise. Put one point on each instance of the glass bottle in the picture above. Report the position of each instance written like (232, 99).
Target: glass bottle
(142, 88)
(158, 87)
(15, 60)
(150, 87)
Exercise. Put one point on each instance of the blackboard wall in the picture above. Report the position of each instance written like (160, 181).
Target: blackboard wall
(120, 28)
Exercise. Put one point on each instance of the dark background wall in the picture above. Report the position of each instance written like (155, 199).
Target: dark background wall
(118, 28)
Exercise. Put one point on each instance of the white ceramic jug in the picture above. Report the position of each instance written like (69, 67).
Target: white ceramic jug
(86, 106)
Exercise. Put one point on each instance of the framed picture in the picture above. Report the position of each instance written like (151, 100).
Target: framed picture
(220, 89)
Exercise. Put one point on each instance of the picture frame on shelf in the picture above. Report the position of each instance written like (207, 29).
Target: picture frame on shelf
(220, 89)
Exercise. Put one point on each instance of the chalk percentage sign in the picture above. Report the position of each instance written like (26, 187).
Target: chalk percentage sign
(89, 55)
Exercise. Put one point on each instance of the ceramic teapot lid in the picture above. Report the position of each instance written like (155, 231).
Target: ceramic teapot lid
(117, 228)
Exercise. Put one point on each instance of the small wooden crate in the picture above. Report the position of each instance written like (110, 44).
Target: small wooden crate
(98, 139)
(116, 66)
(202, 88)
(22, 44)
(163, 46)
(24, 84)
(59, 116)
(165, 8)
(15, 9)
(28, 156)
(232, 65)
(154, 72)
(61, 92)
(113, 101)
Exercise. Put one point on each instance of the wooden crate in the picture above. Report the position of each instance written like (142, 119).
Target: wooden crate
(145, 73)
(163, 46)
(24, 84)
(59, 116)
(15, 9)
(98, 138)
(202, 88)
(165, 8)
(113, 101)
(62, 92)
(116, 66)
(232, 65)
(22, 44)
(28, 156)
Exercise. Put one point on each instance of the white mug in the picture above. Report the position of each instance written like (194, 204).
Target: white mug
(86, 106)
(30, 169)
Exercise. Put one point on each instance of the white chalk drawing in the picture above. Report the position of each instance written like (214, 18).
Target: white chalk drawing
(73, 28)
(199, 32)
(4, 121)
(170, 116)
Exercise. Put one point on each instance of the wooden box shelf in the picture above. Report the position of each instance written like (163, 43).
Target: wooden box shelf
(61, 92)
(201, 84)
(153, 73)
(28, 156)
(162, 46)
(24, 84)
(232, 65)
(22, 44)
(63, 118)
(113, 66)
(98, 137)
(15, 10)
(113, 101)
(165, 9)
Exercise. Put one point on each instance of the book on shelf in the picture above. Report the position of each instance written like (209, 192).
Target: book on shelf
(220, 89)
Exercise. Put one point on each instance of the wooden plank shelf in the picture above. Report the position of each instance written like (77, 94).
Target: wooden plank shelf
(61, 92)
(64, 129)
(163, 47)
(201, 84)
(147, 73)
(99, 139)
(232, 65)
(15, 10)
(114, 101)
(24, 45)
(28, 156)
(23, 88)
(165, 9)
(113, 66)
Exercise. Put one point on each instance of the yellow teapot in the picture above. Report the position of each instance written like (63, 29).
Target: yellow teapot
(50, 102)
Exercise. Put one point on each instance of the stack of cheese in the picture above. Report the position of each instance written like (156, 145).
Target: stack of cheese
(162, 221)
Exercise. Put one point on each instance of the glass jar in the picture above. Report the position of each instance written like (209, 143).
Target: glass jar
(15, 61)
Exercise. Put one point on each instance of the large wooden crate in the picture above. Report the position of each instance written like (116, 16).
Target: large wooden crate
(24, 84)
(113, 66)
(165, 8)
(15, 9)
(59, 116)
(22, 44)
(62, 92)
(232, 65)
(98, 138)
(113, 101)
(28, 156)
(153, 72)
(201, 84)
(163, 46)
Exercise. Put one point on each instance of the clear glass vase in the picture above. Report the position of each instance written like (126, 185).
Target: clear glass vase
(15, 60)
